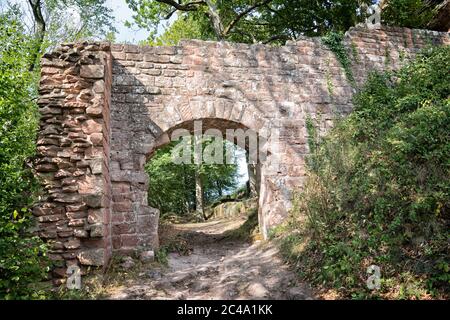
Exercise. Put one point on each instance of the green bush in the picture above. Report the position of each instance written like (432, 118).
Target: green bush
(378, 190)
(172, 185)
(408, 13)
(22, 256)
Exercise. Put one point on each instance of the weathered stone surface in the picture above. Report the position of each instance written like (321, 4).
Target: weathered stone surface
(79, 233)
(96, 138)
(72, 244)
(127, 263)
(92, 257)
(105, 109)
(92, 71)
(96, 230)
(95, 216)
(147, 256)
(257, 290)
(96, 166)
(93, 200)
(91, 126)
(298, 293)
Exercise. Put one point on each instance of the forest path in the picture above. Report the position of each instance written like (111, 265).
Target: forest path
(215, 267)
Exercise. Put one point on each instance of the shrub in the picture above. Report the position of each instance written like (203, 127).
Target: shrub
(378, 187)
(22, 256)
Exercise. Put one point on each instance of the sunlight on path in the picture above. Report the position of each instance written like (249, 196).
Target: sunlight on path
(217, 268)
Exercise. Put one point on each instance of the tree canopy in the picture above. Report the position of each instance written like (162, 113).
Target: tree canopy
(251, 20)
(275, 21)
(378, 189)
(52, 22)
(173, 186)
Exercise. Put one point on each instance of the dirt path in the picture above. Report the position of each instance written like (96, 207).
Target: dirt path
(217, 268)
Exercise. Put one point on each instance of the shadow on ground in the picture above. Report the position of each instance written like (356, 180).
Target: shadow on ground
(211, 264)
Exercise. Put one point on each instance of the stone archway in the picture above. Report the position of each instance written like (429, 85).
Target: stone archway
(104, 108)
(134, 218)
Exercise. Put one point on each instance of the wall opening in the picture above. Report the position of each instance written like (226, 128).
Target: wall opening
(205, 177)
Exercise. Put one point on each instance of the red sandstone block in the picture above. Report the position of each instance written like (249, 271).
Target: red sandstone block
(116, 242)
(129, 240)
(119, 55)
(124, 228)
(92, 71)
(122, 206)
(91, 126)
(134, 57)
(117, 217)
(120, 187)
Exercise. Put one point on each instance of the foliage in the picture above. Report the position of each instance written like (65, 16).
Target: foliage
(248, 21)
(334, 41)
(378, 190)
(407, 13)
(23, 261)
(21, 255)
(161, 256)
(52, 22)
(185, 27)
(72, 20)
(172, 186)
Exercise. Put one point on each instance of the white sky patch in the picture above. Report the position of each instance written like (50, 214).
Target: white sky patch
(123, 13)
(242, 166)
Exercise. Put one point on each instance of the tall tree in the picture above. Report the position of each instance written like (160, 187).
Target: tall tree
(252, 20)
(180, 188)
(429, 14)
(20, 253)
(56, 21)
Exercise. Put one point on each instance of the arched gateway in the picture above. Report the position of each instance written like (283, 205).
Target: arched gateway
(105, 108)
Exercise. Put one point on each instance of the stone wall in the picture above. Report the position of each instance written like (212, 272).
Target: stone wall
(232, 209)
(73, 154)
(106, 109)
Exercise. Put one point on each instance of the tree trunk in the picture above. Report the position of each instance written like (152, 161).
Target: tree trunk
(39, 32)
(199, 203)
(215, 20)
(252, 183)
(186, 193)
(441, 21)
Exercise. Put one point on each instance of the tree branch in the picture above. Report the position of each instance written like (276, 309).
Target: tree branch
(190, 6)
(241, 32)
(36, 8)
(277, 37)
(242, 14)
(169, 15)
(215, 19)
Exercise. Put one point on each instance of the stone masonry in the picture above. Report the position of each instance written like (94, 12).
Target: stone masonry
(106, 108)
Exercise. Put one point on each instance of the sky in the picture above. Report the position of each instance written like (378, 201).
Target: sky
(122, 13)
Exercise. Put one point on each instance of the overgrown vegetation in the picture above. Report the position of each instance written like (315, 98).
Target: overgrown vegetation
(22, 256)
(409, 13)
(248, 231)
(334, 41)
(250, 21)
(378, 189)
(172, 187)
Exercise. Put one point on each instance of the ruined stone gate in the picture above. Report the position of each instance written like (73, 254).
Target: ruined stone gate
(106, 108)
